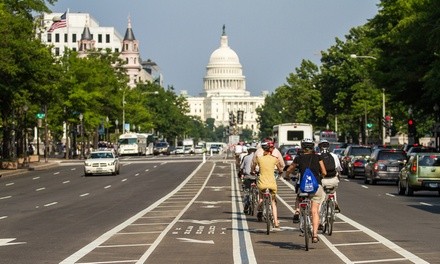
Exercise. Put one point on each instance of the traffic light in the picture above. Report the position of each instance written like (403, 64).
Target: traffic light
(369, 125)
(231, 119)
(240, 114)
(411, 127)
(227, 131)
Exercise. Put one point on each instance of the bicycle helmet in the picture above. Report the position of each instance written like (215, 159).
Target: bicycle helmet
(324, 145)
(267, 145)
(307, 143)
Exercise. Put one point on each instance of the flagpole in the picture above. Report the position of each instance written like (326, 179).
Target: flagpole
(67, 24)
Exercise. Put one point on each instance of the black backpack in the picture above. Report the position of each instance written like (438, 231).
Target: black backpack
(329, 164)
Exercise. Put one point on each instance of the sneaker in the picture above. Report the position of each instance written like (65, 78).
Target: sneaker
(296, 217)
(337, 209)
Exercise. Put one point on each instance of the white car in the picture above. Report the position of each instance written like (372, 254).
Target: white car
(101, 162)
(180, 150)
(199, 150)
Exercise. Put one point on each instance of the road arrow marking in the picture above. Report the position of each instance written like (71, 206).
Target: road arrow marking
(196, 240)
(5, 242)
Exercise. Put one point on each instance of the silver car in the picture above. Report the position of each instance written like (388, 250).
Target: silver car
(102, 162)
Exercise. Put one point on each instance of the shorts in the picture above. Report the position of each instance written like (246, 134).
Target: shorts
(318, 196)
(332, 182)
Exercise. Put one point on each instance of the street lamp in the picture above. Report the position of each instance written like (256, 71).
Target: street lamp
(437, 127)
(354, 56)
(81, 117)
(25, 109)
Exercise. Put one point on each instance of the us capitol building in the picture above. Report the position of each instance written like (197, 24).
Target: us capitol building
(225, 90)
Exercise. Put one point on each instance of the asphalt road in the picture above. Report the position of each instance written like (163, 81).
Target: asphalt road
(183, 210)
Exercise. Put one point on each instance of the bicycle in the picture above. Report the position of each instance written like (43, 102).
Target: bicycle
(327, 212)
(305, 222)
(250, 195)
(267, 210)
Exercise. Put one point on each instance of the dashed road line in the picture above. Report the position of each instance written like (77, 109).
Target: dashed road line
(84, 194)
(50, 204)
(9, 184)
(5, 197)
(40, 189)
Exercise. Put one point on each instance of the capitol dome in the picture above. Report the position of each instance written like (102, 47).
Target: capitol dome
(224, 74)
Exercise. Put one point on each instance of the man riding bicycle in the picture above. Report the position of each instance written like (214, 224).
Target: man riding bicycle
(333, 167)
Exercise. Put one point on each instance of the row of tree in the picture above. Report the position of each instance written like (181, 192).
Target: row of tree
(398, 55)
(85, 94)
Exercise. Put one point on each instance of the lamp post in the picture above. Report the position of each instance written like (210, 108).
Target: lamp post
(106, 128)
(123, 112)
(354, 56)
(437, 127)
(81, 117)
(25, 109)
(411, 139)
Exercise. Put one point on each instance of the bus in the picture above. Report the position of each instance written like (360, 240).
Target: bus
(291, 133)
(132, 144)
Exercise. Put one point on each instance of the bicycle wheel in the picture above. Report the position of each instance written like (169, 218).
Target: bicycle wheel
(306, 228)
(267, 213)
(330, 216)
(323, 216)
(251, 203)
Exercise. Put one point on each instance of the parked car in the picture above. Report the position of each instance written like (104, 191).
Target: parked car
(161, 148)
(215, 149)
(101, 162)
(290, 155)
(351, 153)
(384, 165)
(421, 172)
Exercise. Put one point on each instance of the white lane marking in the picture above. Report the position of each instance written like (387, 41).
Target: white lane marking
(6, 242)
(196, 240)
(3, 217)
(9, 184)
(40, 189)
(84, 194)
(97, 242)
(35, 178)
(356, 244)
(137, 174)
(404, 253)
(147, 170)
(378, 260)
(64, 182)
(108, 186)
(55, 173)
(73, 169)
(428, 204)
(130, 245)
(389, 194)
(363, 186)
(50, 204)
(123, 180)
(241, 254)
(5, 197)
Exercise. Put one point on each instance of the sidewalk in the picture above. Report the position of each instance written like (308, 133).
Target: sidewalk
(39, 165)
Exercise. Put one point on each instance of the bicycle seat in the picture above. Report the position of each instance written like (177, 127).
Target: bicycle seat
(329, 189)
(301, 194)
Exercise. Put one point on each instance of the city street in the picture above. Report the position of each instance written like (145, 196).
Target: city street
(179, 209)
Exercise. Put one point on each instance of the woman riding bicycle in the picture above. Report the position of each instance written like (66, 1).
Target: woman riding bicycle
(266, 180)
(309, 159)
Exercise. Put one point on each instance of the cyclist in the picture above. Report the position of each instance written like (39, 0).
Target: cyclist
(246, 175)
(275, 152)
(266, 180)
(309, 159)
(333, 168)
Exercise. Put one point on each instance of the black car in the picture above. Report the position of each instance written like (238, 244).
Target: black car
(384, 165)
(353, 153)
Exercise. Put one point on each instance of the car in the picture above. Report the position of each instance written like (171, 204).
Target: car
(384, 165)
(199, 150)
(284, 148)
(161, 148)
(356, 167)
(418, 149)
(215, 149)
(290, 155)
(102, 162)
(179, 150)
(421, 172)
(351, 153)
(338, 152)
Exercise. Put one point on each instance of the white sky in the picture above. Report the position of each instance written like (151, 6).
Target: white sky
(271, 37)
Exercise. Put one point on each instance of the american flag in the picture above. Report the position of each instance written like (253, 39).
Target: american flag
(59, 24)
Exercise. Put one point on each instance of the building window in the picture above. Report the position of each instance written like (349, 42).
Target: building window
(57, 38)
(74, 49)
(73, 38)
(66, 39)
(57, 51)
(107, 38)
(99, 38)
(116, 49)
(49, 37)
